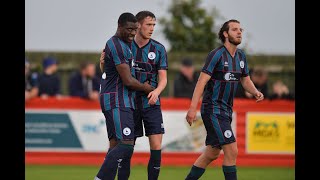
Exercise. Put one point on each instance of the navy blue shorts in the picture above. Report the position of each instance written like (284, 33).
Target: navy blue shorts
(218, 128)
(120, 124)
(150, 118)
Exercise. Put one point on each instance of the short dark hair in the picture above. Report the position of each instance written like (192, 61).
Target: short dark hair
(187, 62)
(225, 27)
(126, 17)
(143, 14)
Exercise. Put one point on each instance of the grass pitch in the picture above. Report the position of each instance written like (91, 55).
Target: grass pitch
(48, 172)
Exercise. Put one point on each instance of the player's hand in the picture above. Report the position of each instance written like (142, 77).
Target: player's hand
(102, 56)
(94, 96)
(148, 88)
(191, 116)
(259, 96)
(153, 97)
(44, 96)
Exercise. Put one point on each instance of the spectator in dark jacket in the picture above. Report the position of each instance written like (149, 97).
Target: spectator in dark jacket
(186, 80)
(49, 81)
(84, 83)
(259, 77)
(31, 82)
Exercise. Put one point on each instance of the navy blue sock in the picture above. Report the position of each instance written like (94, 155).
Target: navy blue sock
(154, 164)
(230, 172)
(109, 167)
(195, 173)
(124, 169)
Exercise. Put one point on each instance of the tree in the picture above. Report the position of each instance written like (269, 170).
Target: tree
(190, 27)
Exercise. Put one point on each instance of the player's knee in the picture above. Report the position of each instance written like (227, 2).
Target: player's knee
(231, 154)
(130, 142)
(155, 146)
(212, 156)
(155, 141)
(113, 143)
(234, 152)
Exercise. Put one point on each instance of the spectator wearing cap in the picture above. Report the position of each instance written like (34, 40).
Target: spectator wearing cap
(186, 80)
(31, 82)
(49, 81)
(84, 83)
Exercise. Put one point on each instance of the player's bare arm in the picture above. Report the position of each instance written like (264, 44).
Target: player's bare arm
(197, 93)
(131, 82)
(248, 85)
(154, 95)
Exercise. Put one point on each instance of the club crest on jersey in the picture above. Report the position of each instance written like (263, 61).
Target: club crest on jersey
(151, 55)
(241, 64)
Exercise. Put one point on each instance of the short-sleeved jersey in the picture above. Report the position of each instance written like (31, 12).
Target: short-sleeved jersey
(113, 93)
(148, 60)
(225, 73)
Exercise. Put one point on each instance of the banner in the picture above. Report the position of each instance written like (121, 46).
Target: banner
(85, 130)
(50, 130)
(270, 133)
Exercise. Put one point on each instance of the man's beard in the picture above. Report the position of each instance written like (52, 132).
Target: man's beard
(233, 41)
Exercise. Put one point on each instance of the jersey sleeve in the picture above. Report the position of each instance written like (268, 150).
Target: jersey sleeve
(163, 61)
(211, 62)
(116, 52)
(245, 69)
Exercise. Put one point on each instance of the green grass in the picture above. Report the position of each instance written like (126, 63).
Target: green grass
(37, 172)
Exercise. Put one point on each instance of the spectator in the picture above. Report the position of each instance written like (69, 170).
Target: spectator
(49, 81)
(186, 79)
(240, 93)
(84, 83)
(280, 91)
(31, 82)
(259, 77)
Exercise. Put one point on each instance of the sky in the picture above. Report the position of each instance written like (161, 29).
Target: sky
(85, 25)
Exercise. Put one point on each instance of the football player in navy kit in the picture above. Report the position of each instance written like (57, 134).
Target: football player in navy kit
(225, 66)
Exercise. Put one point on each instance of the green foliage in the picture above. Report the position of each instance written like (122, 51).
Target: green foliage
(190, 29)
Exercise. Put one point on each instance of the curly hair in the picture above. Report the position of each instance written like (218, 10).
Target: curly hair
(225, 27)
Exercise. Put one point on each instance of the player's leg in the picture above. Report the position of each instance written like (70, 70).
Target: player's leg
(229, 148)
(124, 165)
(112, 143)
(123, 131)
(229, 161)
(212, 150)
(154, 164)
(153, 124)
(210, 154)
(111, 136)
